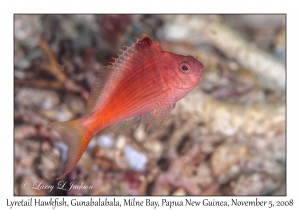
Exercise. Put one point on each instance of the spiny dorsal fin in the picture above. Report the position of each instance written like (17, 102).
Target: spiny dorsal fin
(139, 50)
(108, 77)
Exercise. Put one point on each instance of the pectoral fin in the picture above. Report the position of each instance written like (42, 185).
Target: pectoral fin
(158, 117)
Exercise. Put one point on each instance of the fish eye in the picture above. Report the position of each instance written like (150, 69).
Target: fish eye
(185, 67)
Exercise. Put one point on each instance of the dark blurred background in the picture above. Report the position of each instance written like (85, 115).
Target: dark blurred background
(227, 137)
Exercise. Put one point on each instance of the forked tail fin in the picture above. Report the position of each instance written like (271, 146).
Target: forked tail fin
(77, 139)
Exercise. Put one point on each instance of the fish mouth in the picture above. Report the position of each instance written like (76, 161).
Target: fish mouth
(199, 69)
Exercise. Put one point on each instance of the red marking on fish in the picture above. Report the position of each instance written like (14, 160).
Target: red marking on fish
(143, 80)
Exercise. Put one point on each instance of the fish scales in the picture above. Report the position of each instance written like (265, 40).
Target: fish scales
(143, 80)
(131, 97)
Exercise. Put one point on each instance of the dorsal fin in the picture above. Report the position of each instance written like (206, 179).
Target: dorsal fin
(107, 78)
(97, 89)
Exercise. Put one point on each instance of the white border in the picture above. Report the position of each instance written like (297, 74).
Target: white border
(293, 76)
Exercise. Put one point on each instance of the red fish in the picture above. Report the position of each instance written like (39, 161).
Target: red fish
(144, 80)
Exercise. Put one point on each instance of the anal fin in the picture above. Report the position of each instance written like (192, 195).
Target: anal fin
(125, 125)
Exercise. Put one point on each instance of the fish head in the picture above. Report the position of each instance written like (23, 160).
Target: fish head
(184, 73)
